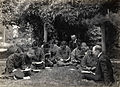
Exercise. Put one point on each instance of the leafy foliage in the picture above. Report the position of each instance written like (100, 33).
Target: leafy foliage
(38, 13)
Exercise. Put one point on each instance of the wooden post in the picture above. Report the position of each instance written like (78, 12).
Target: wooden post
(45, 33)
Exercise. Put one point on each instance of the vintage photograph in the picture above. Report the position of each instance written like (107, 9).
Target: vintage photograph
(59, 43)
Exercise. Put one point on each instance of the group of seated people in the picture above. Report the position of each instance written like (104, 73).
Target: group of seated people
(94, 65)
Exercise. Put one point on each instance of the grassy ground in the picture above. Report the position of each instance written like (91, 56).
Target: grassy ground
(56, 77)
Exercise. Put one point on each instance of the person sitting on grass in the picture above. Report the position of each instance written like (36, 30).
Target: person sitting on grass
(63, 54)
(84, 47)
(38, 57)
(89, 62)
(103, 72)
(53, 51)
(77, 54)
(47, 54)
(14, 61)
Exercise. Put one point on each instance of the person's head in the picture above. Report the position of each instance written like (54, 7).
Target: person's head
(56, 42)
(96, 50)
(73, 37)
(83, 44)
(63, 44)
(89, 52)
(30, 52)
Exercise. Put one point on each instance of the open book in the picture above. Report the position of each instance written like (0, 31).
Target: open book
(37, 62)
(87, 72)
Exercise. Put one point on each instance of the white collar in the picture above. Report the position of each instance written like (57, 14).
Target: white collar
(99, 54)
(75, 41)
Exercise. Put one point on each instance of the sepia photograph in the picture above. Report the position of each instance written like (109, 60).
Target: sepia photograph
(59, 43)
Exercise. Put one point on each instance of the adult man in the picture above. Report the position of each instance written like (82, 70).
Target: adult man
(38, 58)
(89, 61)
(77, 54)
(63, 54)
(47, 54)
(84, 47)
(73, 42)
(14, 61)
(53, 51)
(104, 71)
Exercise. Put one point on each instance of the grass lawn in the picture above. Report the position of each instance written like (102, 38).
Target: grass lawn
(56, 77)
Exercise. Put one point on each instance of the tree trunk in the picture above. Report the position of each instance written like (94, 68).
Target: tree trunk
(45, 33)
(103, 39)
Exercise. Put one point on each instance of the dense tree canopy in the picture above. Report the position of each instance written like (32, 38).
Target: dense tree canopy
(34, 14)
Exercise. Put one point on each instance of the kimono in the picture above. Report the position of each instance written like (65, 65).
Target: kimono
(63, 53)
(63, 56)
(14, 61)
(77, 55)
(88, 61)
(38, 55)
(73, 44)
(38, 59)
(53, 53)
(103, 71)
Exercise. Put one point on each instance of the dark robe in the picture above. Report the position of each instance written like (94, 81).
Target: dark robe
(72, 45)
(103, 72)
(14, 61)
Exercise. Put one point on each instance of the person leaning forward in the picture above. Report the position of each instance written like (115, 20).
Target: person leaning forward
(14, 61)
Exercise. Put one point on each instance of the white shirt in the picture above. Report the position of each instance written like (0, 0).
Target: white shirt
(99, 54)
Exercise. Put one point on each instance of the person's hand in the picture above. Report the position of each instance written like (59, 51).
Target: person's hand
(74, 61)
(14, 70)
(88, 68)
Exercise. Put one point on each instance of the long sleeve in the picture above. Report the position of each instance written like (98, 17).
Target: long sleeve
(73, 55)
(106, 69)
(83, 62)
(9, 64)
(58, 55)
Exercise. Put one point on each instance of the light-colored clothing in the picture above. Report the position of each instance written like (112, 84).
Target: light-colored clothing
(88, 61)
(14, 61)
(77, 55)
(38, 55)
(64, 53)
(53, 50)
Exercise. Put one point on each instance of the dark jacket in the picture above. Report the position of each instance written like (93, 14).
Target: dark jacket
(104, 69)
(72, 45)
(14, 61)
